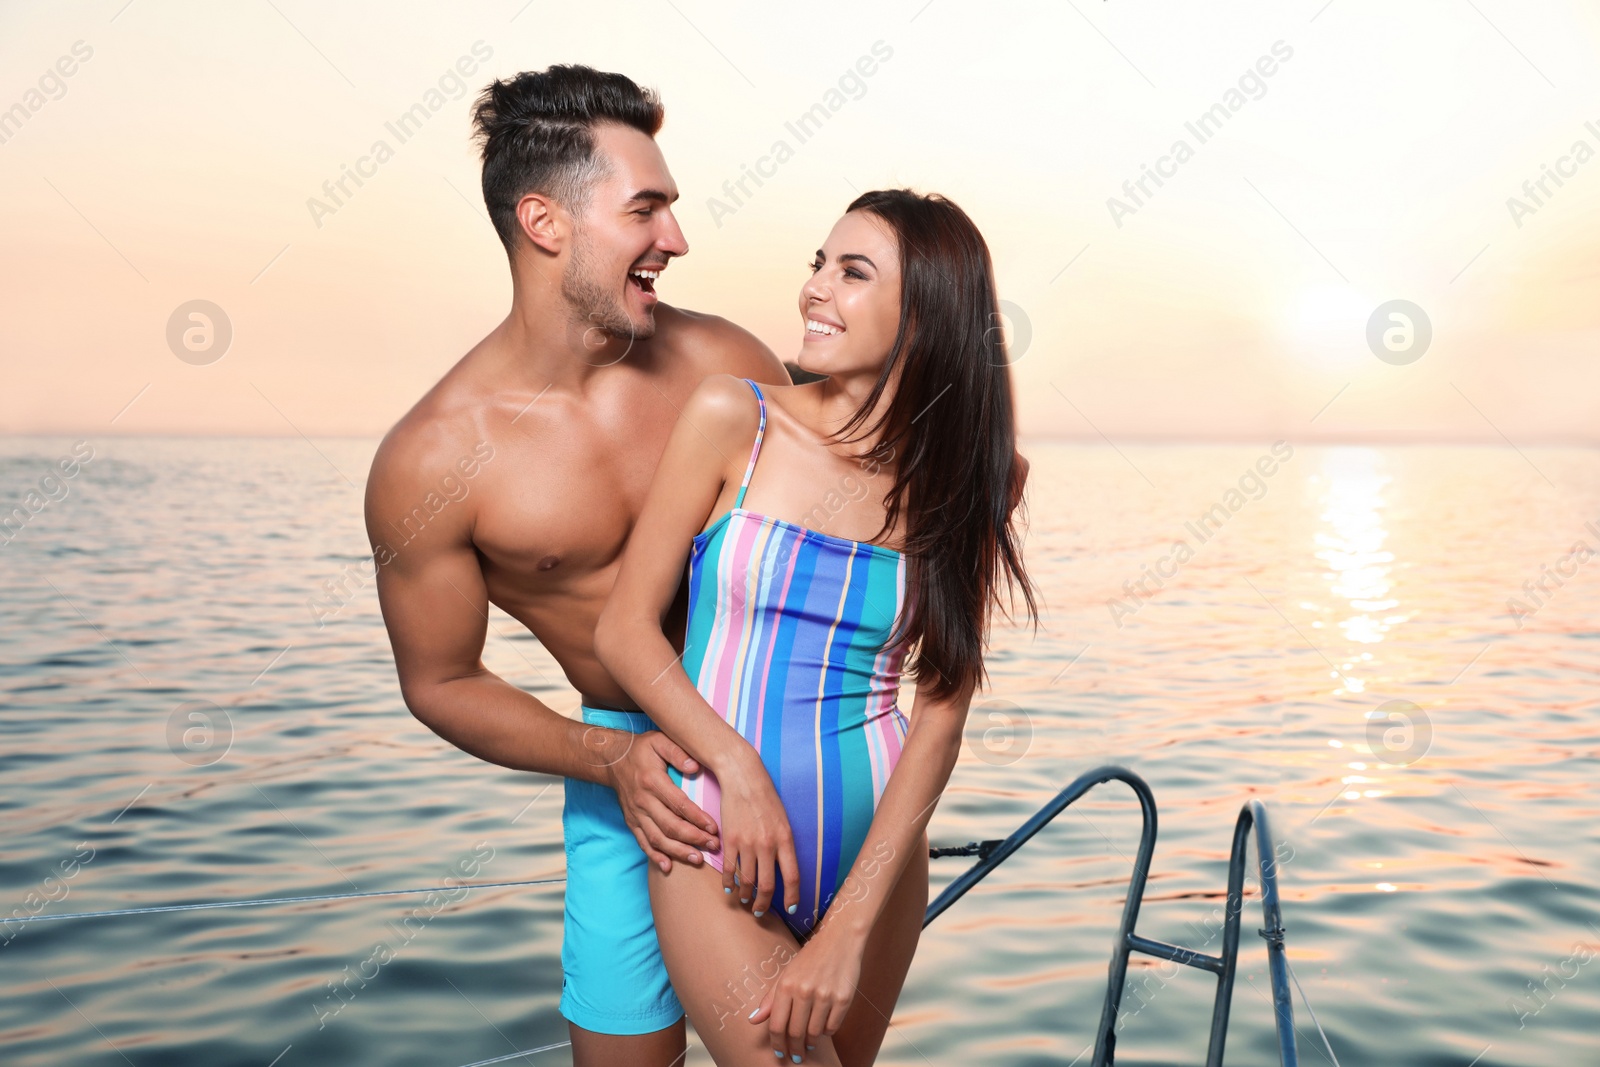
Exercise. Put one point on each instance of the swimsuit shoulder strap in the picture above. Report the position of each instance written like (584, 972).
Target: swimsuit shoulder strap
(761, 430)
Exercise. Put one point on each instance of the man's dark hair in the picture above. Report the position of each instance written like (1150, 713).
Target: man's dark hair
(537, 133)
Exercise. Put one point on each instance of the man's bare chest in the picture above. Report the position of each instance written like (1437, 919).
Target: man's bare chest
(548, 521)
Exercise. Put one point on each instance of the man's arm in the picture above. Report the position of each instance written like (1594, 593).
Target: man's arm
(435, 606)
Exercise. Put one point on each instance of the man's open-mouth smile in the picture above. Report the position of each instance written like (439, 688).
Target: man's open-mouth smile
(644, 280)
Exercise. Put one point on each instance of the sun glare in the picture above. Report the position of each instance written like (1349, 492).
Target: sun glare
(1326, 326)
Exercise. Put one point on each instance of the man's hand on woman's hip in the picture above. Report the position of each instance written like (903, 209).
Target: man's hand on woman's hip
(666, 823)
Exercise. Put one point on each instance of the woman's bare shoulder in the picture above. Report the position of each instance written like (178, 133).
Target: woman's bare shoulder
(724, 408)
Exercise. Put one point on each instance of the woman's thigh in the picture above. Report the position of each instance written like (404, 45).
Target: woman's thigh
(890, 947)
(722, 961)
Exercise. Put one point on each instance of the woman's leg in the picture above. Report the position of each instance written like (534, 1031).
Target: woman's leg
(722, 961)
(890, 946)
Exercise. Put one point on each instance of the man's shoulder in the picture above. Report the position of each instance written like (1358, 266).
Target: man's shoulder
(713, 345)
(444, 429)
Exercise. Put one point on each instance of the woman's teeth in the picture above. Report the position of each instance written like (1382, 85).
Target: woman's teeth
(813, 326)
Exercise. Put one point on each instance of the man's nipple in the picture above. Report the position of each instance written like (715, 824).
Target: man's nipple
(549, 562)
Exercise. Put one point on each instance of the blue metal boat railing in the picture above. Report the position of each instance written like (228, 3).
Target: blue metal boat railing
(1225, 965)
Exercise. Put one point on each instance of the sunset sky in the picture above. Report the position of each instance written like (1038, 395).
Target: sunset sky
(1377, 161)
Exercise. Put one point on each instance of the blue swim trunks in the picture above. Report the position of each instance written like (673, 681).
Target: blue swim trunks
(614, 980)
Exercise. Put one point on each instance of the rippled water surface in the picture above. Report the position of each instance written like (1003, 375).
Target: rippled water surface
(1439, 873)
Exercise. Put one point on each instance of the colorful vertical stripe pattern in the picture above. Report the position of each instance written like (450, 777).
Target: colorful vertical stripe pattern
(785, 640)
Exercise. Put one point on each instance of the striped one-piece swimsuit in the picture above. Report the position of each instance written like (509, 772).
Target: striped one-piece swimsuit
(785, 639)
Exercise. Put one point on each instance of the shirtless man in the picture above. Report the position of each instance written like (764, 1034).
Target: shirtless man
(517, 479)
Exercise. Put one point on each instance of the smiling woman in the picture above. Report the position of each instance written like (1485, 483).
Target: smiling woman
(850, 292)
(786, 693)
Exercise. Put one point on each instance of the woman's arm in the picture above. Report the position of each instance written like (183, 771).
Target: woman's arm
(628, 639)
(709, 447)
(816, 987)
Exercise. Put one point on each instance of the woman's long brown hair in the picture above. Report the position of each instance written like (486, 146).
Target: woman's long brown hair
(950, 429)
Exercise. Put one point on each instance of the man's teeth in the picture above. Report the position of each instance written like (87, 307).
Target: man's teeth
(813, 326)
(652, 275)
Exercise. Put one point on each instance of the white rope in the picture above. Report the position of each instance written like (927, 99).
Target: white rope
(514, 1055)
(276, 900)
(1307, 1002)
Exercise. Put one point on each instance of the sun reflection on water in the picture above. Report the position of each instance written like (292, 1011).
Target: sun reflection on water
(1351, 545)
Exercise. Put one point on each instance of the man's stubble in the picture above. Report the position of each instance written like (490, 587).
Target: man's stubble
(593, 303)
